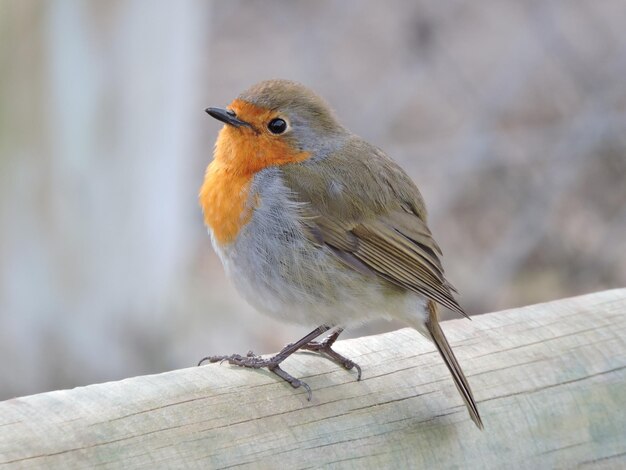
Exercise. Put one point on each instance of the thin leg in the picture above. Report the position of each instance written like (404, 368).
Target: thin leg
(324, 347)
(272, 364)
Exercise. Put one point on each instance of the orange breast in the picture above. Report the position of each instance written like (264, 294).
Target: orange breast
(223, 199)
(239, 154)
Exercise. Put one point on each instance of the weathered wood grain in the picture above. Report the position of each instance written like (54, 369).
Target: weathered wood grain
(550, 381)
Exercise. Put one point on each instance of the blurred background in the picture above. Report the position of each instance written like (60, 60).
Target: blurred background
(509, 115)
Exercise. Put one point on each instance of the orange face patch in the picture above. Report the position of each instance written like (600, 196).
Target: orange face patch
(247, 150)
(239, 154)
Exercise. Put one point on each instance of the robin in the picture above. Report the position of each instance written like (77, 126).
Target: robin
(316, 226)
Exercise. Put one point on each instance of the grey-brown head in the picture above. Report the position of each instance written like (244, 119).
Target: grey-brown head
(288, 111)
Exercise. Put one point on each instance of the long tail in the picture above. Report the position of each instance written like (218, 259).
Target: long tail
(460, 381)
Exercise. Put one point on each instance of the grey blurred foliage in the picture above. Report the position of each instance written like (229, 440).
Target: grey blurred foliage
(510, 116)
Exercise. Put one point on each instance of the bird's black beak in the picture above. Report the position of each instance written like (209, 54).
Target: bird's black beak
(226, 116)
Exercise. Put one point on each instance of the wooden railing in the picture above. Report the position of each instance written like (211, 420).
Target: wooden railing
(549, 379)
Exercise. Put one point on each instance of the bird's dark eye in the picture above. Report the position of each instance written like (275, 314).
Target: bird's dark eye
(277, 126)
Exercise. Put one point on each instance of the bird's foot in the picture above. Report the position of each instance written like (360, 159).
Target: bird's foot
(272, 364)
(325, 349)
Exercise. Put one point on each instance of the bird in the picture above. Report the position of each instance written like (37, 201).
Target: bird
(315, 226)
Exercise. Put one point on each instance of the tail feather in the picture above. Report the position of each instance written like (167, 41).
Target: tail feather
(460, 381)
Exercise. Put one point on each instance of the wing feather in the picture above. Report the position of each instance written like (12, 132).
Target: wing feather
(403, 254)
(378, 226)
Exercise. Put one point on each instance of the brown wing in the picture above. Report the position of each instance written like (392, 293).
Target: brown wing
(367, 210)
(396, 246)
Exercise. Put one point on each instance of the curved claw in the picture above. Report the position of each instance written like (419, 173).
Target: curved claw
(309, 393)
(219, 359)
(296, 383)
(349, 365)
(325, 350)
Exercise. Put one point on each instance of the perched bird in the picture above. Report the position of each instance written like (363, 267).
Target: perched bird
(316, 226)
